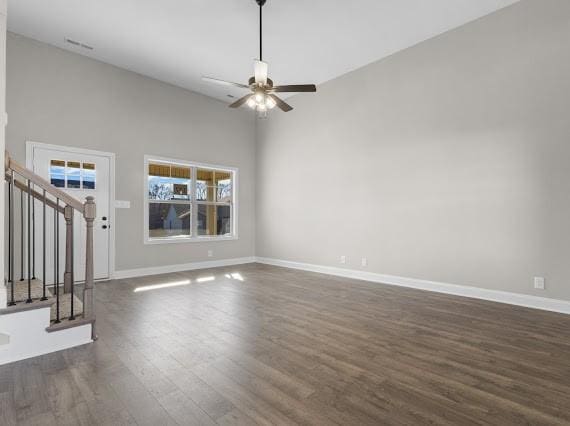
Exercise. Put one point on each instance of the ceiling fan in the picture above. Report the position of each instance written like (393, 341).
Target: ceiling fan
(262, 97)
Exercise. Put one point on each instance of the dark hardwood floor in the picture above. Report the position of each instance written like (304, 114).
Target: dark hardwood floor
(271, 346)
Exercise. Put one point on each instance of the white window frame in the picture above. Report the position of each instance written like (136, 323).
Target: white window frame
(194, 237)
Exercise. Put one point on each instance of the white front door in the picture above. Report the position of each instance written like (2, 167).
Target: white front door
(79, 174)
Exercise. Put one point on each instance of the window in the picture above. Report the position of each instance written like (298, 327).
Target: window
(72, 174)
(188, 202)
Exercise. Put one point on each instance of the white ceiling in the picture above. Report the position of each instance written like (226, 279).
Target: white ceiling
(178, 41)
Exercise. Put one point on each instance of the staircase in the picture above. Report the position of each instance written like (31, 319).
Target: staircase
(46, 309)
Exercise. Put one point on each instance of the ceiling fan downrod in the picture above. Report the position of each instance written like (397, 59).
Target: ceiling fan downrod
(260, 3)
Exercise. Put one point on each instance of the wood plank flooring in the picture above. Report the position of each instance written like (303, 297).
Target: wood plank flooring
(257, 344)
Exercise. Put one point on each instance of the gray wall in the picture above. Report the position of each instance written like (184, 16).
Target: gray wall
(449, 161)
(58, 97)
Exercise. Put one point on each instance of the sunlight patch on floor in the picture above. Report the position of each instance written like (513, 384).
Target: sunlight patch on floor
(163, 285)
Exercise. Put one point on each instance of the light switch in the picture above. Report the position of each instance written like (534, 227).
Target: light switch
(122, 204)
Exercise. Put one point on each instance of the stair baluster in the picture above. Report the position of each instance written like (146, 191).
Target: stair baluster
(29, 238)
(21, 234)
(11, 236)
(56, 252)
(44, 277)
(33, 236)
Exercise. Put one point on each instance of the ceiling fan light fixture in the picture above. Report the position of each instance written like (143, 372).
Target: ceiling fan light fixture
(259, 97)
(251, 102)
(270, 103)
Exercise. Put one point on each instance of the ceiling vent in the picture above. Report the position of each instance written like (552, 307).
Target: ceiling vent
(78, 44)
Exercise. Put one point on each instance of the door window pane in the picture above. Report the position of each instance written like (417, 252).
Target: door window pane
(88, 176)
(169, 220)
(57, 173)
(73, 173)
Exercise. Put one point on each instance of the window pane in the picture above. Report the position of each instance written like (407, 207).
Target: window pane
(167, 188)
(224, 191)
(88, 176)
(205, 190)
(57, 173)
(159, 170)
(205, 193)
(206, 176)
(180, 172)
(223, 220)
(214, 220)
(168, 220)
(206, 219)
(222, 176)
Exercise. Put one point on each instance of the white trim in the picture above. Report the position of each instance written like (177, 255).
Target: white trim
(543, 303)
(30, 146)
(155, 270)
(194, 238)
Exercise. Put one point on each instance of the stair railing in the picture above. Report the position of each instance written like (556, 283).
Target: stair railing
(34, 189)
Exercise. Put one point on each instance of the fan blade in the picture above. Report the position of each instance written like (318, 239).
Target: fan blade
(295, 88)
(240, 101)
(260, 72)
(281, 103)
(223, 82)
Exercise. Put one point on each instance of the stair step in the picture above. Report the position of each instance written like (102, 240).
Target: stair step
(23, 306)
(36, 286)
(64, 325)
(65, 306)
(21, 290)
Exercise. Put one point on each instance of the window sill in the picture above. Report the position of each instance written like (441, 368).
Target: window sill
(204, 239)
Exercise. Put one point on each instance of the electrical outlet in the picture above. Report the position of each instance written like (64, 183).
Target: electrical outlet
(343, 259)
(539, 283)
(364, 262)
(210, 253)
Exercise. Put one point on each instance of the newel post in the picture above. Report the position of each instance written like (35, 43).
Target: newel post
(89, 213)
(68, 214)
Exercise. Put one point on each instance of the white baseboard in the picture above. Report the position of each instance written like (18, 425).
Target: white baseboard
(155, 270)
(543, 303)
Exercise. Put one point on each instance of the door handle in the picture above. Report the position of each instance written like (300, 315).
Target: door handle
(104, 227)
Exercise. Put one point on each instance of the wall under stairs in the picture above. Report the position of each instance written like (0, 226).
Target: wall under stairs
(27, 335)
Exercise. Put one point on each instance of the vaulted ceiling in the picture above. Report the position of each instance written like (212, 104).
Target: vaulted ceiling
(178, 41)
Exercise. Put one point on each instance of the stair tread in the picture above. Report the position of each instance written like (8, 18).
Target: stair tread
(21, 290)
(23, 306)
(65, 306)
(36, 289)
(64, 325)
